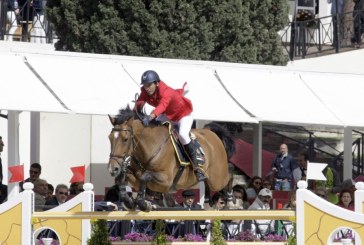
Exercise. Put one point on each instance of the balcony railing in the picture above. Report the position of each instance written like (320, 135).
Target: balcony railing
(328, 34)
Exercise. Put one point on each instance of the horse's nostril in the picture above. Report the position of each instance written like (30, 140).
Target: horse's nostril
(116, 169)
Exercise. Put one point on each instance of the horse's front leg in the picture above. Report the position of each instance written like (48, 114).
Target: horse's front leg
(140, 200)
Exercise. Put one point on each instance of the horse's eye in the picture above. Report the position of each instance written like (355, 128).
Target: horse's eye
(125, 140)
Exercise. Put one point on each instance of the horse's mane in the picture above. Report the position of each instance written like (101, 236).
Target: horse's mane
(225, 137)
(124, 115)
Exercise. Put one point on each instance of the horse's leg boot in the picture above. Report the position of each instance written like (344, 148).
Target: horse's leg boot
(197, 160)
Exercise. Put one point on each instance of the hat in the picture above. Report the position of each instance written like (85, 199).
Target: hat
(188, 193)
(128, 189)
(265, 192)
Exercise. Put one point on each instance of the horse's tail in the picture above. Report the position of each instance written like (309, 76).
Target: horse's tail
(225, 137)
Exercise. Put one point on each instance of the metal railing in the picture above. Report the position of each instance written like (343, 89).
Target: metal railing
(29, 25)
(326, 34)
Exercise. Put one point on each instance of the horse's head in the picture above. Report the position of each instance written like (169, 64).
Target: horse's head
(122, 142)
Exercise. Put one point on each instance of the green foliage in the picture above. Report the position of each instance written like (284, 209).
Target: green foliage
(160, 236)
(292, 240)
(217, 237)
(233, 30)
(99, 235)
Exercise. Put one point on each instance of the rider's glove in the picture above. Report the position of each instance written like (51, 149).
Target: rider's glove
(146, 120)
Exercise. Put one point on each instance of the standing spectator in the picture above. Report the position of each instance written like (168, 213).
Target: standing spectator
(40, 193)
(262, 227)
(283, 166)
(38, 29)
(346, 199)
(254, 186)
(34, 173)
(11, 14)
(1, 150)
(358, 16)
(3, 191)
(59, 198)
(336, 11)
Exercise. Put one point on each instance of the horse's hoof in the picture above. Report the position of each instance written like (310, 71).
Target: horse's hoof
(144, 205)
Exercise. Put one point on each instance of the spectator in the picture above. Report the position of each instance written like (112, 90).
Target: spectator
(170, 200)
(219, 201)
(50, 192)
(283, 166)
(291, 204)
(358, 17)
(113, 194)
(254, 186)
(332, 184)
(262, 227)
(336, 11)
(38, 33)
(34, 173)
(40, 193)
(241, 196)
(189, 200)
(346, 199)
(349, 184)
(76, 188)
(321, 192)
(1, 165)
(59, 198)
(11, 15)
(3, 191)
(302, 174)
(267, 184)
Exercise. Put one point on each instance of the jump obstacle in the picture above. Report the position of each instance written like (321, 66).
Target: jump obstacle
(317, 220)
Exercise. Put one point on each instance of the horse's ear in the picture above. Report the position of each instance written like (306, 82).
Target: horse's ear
(112, 120)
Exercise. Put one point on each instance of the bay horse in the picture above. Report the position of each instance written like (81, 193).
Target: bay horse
(146, 157)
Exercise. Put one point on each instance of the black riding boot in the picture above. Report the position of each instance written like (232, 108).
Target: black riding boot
(197, 159)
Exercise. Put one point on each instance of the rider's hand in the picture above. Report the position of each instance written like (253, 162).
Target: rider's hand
(146, 120)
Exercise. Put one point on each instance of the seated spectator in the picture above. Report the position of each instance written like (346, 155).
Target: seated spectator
(50, 192)
(170, 200)
(348, 184)
(254, 186)
(113, 194)
(267, 184)
(76, 188)
(34, 174)
(291, 204)
(40, 193)
(219, 201)
(321, 192)
(346, 199)
(189, 200)
(262, 227)
(241, 197)
(59, 198)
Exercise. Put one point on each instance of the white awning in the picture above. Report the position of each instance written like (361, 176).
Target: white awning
(86, 86)
(276, 96)
(21, 90)
(341, 93)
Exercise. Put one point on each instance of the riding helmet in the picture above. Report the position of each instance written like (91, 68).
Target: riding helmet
(149, 77)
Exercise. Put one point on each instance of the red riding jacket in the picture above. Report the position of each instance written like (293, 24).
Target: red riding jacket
(166, 100)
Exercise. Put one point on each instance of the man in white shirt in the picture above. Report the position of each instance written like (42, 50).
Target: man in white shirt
(262, 227)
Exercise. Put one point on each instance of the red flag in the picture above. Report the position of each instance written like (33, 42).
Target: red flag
(78, 174)
(17, 173)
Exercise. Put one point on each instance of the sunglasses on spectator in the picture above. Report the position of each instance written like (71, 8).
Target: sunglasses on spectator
(320, 195)
(257, 182)
(63, 193)
(222, 203)
(33, 172)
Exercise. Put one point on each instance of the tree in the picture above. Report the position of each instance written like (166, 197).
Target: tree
(231, 30)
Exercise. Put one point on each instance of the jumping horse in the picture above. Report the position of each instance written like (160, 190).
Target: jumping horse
(147, 157)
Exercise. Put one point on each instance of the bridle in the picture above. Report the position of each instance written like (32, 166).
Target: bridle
(124, 161)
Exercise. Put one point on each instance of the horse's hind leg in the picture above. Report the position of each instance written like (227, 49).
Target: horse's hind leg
(140, 200)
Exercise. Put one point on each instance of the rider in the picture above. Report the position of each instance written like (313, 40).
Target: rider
(177, 108)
